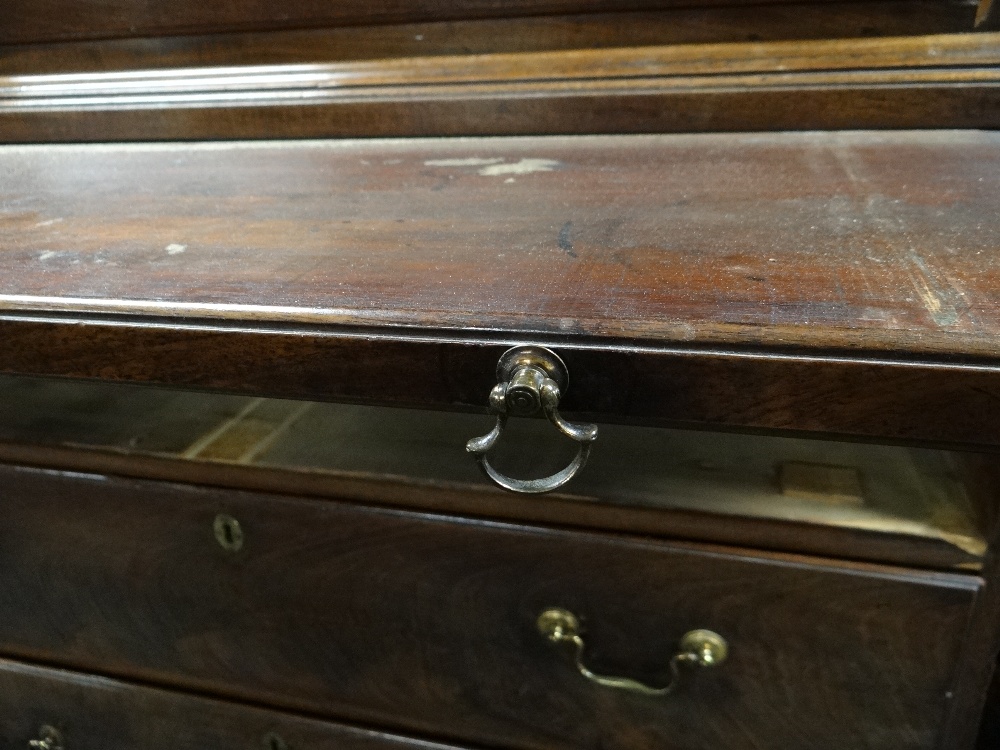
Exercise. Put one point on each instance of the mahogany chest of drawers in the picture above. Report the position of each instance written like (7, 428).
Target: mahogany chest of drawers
(257, 393)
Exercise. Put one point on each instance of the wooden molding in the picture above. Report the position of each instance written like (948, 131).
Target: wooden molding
(707, 25)
(906, 82)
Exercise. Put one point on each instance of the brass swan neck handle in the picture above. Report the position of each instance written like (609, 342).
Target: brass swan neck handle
(700, 648)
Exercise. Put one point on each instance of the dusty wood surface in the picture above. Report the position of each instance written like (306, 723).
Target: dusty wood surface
(670, 271)
(864, 242)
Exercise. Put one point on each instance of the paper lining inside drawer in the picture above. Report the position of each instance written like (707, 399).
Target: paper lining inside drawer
(887, 489)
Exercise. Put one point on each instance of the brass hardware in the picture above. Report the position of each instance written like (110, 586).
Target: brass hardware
(273, 741)
(701, 648)
(49, 738)
(531, 379)
(228, 533)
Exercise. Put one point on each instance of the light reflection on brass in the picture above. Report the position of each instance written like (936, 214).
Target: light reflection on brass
(49, 738)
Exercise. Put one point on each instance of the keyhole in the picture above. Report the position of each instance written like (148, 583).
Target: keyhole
(228, 533)
(273, 741)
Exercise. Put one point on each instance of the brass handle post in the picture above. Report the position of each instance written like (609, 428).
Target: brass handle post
(700, 648)
(531, 379)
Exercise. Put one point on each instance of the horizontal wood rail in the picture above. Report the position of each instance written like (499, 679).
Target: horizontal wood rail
(758, 23)
(910, 82)
(894, 55)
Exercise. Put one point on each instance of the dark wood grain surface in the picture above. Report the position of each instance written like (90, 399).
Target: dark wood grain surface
(747, 23)
(97, 713)
(937, 81)
(427, 623)
(906, 100)
(49, 20)
(670, 271)
(863, 242)
(989, 730)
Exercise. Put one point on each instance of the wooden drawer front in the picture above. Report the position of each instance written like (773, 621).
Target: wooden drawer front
(429, 623)
(95, 713)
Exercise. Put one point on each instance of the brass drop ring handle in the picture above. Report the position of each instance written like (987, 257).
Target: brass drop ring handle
(701, 648)
(531, 380)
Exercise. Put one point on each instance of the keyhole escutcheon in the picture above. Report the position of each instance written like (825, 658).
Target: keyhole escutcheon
(228, 533)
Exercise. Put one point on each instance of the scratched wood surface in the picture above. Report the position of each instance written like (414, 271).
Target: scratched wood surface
(866, 242)
(668, 270)
(427, 623)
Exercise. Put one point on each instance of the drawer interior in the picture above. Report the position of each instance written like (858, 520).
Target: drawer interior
(883, 491)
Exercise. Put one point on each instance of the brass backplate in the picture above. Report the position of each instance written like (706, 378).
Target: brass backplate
(709, 648)
(558, 624)
(228, 533)
(533, 356)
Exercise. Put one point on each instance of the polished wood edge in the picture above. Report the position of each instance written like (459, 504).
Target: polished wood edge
(897, 82)
(934, 349)
(288, 88)
(798, 343)
(557, 510)
(937, 51)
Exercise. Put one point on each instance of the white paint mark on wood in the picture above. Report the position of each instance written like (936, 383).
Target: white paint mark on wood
(469, 162)
(524, 166)
(175, 249)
